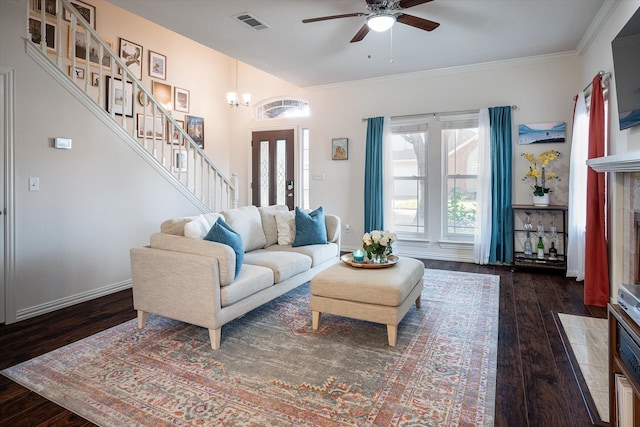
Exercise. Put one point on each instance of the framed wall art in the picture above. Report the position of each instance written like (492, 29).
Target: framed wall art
(181, 99)
(195, 129)
(35, 29)
(174, 133)
(95, 79)
(179, 160)
(162, 92)
(157, 65)
(340, 149)
(80, 43)
(149, 126)
(131, 55)
(119, 97)
(87, 11)
(50, 7)
(79, 72)
(541, 132)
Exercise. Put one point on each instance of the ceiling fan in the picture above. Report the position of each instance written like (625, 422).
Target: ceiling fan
(382, 15)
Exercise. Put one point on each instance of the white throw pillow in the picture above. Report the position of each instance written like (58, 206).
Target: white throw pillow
(286, 223)
(200, 225)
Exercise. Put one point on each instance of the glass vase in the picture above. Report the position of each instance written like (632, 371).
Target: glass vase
(379, 258)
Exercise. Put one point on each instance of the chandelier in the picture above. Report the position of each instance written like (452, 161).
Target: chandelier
(232, 97)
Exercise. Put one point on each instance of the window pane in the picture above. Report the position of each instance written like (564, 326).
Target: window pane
(409, 184)
(461, 145)
(281, 171)
(264, 173)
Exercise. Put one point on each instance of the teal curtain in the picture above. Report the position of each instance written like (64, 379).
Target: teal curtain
(373, 176)
(502, 223)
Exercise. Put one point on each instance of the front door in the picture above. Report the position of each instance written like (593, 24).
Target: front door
(273, 168)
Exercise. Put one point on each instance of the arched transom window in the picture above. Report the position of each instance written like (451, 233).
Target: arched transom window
(281, 108)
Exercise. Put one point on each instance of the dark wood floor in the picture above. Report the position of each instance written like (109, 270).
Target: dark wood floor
(535, 384)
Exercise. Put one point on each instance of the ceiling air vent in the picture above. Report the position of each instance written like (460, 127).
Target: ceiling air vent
(251, 21)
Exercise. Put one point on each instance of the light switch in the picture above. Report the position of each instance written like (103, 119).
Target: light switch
(318, 177)
(34, 184)
(62, 143)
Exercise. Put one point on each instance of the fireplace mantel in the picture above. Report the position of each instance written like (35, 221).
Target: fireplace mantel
(628, 162)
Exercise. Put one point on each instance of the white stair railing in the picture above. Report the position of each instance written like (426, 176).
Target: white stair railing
(94, 68)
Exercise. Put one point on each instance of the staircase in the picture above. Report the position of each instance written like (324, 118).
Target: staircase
(118, 97)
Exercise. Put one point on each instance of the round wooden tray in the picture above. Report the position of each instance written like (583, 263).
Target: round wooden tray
(348, 259)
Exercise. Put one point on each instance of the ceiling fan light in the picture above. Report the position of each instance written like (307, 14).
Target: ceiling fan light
(381, 23)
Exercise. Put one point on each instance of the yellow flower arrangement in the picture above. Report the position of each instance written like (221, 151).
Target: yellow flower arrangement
(537, 169)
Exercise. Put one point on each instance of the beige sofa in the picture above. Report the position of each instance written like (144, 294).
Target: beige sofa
(181, 276)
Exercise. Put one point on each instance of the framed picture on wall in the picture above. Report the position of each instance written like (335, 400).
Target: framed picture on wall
(195, 129)
(35, 29)
(162, 92)
(174, 133)
(131, 55)
(119, 97)
(157, 65)
(179, 160)
(149, 126)
(87, 11)
(181, 99)
(340, 149)
(50, 7)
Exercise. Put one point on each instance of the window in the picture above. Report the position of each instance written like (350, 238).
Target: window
(460, 141)
(435, 166)
(409, 157)
(305, 168)
(281, 108)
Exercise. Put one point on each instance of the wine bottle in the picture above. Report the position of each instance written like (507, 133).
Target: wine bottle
(553, 252)
(528, 247)
(540, 248)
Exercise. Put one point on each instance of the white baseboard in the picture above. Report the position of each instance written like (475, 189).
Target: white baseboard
(50, 306)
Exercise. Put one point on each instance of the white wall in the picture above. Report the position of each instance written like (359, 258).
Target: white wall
(598, 57)
(542, 88)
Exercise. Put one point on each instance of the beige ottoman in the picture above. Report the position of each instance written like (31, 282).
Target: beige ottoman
(381, 295)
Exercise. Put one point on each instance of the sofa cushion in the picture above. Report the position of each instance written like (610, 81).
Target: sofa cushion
(310, 228)
(252, 279)
(269, 226)
(200, 225)
(319, 254)
(283, 264)
(286, 225)
(247, 222)
(222, 232)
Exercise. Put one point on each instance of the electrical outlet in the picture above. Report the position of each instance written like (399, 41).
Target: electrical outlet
(347, 228)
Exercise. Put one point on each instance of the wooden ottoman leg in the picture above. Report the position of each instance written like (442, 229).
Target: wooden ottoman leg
(142, 319)
(315, 319)
(392, 333)
(419, 301)
(214, 337)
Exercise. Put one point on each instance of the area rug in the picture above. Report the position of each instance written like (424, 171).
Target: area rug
(586, 341)
(273, 370)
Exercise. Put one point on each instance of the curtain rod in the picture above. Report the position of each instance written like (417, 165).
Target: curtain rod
(605, 83)
(513, 107)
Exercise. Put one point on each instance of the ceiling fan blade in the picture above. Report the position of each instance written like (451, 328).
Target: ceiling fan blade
(326, 18)
(363, 31)
(414, 21)
(406, 4)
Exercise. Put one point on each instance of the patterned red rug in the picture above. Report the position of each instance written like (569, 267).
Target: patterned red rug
(274, 370)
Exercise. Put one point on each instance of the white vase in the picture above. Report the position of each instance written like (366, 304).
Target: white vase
(541, 200)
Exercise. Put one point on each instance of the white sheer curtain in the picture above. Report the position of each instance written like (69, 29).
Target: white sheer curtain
(578, 190)
(387, 180)
(482, 236)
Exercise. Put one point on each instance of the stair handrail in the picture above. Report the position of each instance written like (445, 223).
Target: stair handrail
(139, 91)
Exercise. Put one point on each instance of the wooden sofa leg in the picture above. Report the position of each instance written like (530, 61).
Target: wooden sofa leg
(214, 336)
(419, 301)
(315, 319)
(392, 333)
(142, 319)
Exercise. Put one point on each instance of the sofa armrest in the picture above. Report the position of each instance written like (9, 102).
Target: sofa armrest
(177, 285)
(332, 223)
(224, 254)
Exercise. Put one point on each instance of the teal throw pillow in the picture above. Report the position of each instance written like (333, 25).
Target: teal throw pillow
(222, 232)
(310, 228)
